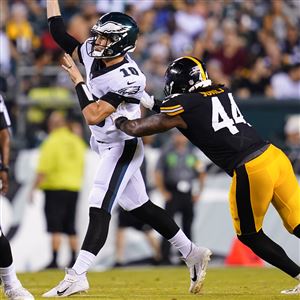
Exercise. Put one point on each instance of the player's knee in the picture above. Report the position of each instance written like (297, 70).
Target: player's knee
(97, 230)
(251, 240)
(296, 231)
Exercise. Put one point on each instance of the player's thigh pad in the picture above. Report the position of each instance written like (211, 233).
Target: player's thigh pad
(252, 190)
(134, 194)
(286, 198)
(117, 165)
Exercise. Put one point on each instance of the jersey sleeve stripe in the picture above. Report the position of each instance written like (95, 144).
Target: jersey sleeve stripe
(171, 110)
(175, 113)
(170, 107)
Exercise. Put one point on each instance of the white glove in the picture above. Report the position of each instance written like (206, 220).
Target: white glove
(147, 100)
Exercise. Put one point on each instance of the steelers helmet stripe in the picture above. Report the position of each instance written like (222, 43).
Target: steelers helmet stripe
(198, 63)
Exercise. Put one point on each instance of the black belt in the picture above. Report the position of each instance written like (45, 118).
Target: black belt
(253, 155)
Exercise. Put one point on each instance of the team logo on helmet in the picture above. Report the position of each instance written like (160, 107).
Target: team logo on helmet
(111, 27)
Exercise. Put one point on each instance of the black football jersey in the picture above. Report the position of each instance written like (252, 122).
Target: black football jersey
(215, 125)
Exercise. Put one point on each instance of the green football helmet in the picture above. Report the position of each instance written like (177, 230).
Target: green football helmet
(120, 29)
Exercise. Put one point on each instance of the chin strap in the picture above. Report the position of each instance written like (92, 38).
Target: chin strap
(203, 83)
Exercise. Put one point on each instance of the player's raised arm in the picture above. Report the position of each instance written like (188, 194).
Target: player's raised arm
(58, 30)
(150, 125)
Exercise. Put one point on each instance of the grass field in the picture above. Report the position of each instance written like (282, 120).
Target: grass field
(171, 284)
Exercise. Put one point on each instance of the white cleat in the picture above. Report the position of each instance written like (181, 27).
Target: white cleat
(197, 262)
(19, 293)
(72, 284)
(294, 291)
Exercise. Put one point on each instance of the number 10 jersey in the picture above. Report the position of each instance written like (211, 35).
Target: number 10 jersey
(124, 78)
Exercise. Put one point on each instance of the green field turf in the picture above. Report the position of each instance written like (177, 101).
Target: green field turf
(171, 284)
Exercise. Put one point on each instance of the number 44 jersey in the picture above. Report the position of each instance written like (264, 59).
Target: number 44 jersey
(124, 78)
(215, 125)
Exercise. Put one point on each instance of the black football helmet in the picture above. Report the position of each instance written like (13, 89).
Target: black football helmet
(122, 31)
(185, 75)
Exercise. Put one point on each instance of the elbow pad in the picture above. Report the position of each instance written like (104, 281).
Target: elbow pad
(61, 37)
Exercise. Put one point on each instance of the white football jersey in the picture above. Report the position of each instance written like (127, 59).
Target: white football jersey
(125, 79)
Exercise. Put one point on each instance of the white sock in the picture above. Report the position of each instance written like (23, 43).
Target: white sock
(181, 242)
(83, 262)
(9, 278)
(298, 277)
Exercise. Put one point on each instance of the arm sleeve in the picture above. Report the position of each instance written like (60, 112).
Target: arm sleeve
(61, 37)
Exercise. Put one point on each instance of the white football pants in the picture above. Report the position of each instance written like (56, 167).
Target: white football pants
(118, 178)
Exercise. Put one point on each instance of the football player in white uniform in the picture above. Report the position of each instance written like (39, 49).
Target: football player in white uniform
(13, 288)
(114, 86)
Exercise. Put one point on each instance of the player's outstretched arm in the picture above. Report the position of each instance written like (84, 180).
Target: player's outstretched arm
(150, 125)
(58, 30)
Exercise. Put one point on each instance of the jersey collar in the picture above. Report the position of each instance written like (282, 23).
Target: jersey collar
(98, 68)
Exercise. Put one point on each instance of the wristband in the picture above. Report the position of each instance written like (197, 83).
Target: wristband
(4, 168)
(120, 121)
(84, 95)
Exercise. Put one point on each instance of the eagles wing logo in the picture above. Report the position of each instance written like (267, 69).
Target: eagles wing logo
(130, 90)
(112, 27)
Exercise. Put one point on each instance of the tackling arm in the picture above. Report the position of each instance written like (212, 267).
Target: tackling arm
(150, 125)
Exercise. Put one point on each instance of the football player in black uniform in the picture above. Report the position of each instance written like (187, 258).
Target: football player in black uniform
(261, 173)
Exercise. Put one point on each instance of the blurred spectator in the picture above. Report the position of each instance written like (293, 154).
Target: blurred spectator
(277, 20)
(59, 175)
(292, 137)
(291, 46)
(232, 54)
(254, 82)
(79, 28)
(216, 74)
(287, 85)
(177, 168)
(19, 30)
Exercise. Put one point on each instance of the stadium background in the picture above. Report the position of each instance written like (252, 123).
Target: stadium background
(251, 46)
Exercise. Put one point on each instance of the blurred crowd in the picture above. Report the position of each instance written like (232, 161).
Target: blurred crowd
(251, 46)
